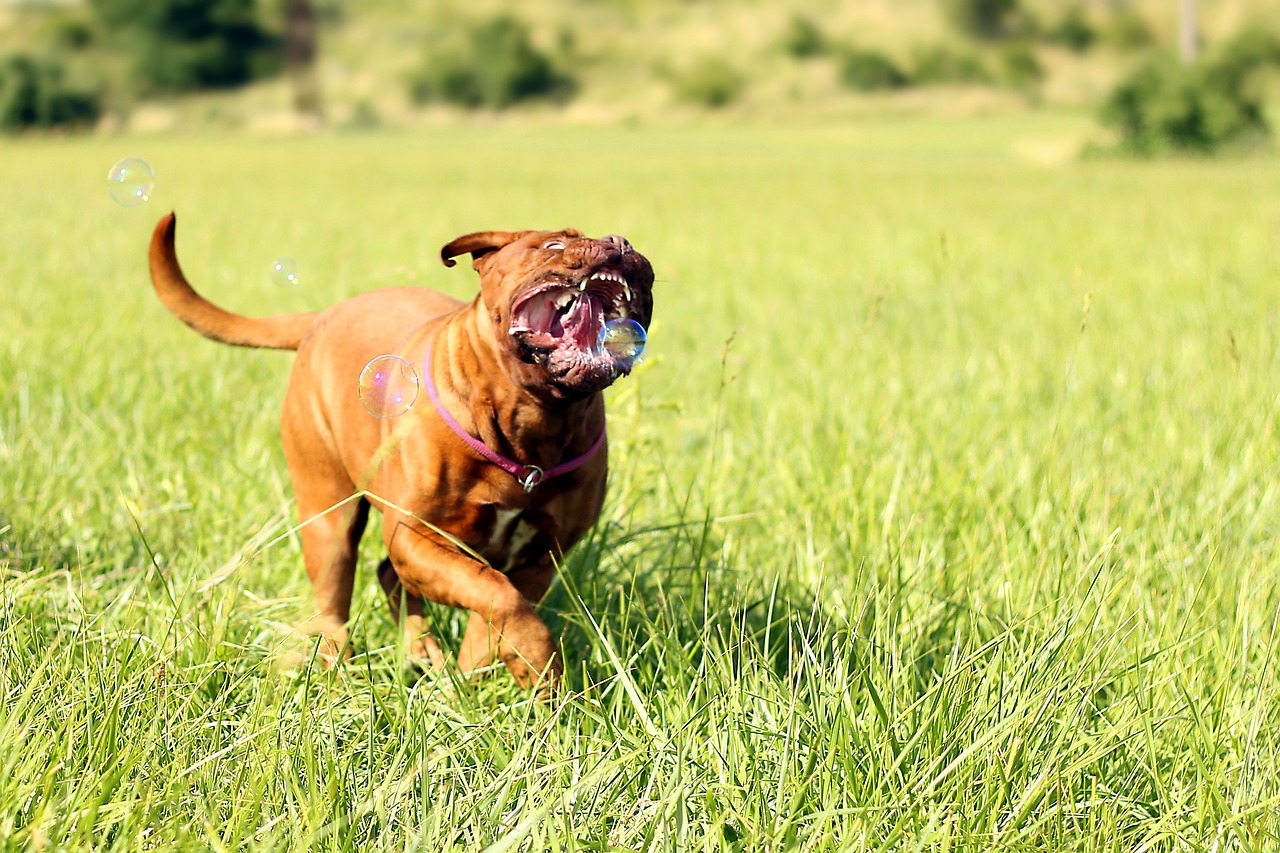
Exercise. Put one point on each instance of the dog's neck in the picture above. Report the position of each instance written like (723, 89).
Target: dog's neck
(529, 426)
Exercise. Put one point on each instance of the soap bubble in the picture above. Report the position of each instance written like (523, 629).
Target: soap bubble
(284, 271)
(388, 386)
(131, 181)
(623, 340)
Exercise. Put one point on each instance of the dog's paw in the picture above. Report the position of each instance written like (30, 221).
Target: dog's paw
(424, 653)
(542, 678)
(332, 650)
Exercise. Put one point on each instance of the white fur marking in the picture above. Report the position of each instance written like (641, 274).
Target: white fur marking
(523, 536)
(503, 519)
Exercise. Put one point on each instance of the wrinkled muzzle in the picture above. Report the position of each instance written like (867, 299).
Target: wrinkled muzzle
(557, 323)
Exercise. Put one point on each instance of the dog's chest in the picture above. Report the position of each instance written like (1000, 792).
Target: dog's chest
(510, 535)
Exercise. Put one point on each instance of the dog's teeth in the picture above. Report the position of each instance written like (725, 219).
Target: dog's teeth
(626, 289)
(607, 275)
(564, 299)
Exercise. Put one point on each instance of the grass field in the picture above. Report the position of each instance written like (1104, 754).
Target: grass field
(943, 514)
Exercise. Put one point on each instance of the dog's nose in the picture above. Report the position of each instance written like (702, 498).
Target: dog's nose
(618, 242)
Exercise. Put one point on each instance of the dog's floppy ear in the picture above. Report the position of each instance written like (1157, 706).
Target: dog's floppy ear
(479, 244)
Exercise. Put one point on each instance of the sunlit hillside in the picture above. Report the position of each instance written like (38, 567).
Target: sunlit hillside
(639, 62)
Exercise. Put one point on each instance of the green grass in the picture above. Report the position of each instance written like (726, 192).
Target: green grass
(943, 514)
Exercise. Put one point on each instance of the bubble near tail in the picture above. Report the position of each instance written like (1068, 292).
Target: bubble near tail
(281, 331)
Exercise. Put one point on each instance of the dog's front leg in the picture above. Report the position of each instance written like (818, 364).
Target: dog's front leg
(430, 568)
(480, 642)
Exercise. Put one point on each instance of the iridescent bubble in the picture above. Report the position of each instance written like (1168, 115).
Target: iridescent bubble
(284, 272)
(623, 340)
(388, 386)
(131, 181)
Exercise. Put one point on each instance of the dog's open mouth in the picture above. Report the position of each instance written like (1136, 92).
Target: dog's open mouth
(558, 324)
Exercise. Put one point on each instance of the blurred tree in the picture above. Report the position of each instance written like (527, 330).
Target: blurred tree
(943, 64)
(869, 70)
(1187, 34)
(1073, 30)
(1168, 105)
(489, 63)
(802, 38)
(179, 45)
(986, 19)
(300, 48)
(1128, 30)
(710, 82)
(1020, 66)
(34, 93)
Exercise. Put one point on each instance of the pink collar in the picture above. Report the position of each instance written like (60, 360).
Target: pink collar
(528, 476)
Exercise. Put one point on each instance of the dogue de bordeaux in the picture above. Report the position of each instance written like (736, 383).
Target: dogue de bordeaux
(494, 473)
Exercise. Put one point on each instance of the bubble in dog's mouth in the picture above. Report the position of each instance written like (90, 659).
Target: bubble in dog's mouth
(558, 325)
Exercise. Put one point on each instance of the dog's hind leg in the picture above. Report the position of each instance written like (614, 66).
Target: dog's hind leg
(330, 542)
(422, 647)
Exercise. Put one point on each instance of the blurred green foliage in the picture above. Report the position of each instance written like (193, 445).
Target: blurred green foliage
(1167, 105)
(870, 70)
(73, 32)
(1073, 30)
(69, 63)
(1020, 65)
(984, 19)
(940, 63)
(183, 45)
(492, 63)
(35, 93)
(1127, 30)
(803, 39)
(710, 82)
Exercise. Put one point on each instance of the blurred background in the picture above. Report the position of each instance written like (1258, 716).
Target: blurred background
(1156, 75)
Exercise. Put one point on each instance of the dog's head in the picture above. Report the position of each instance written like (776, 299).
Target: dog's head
(549, 293)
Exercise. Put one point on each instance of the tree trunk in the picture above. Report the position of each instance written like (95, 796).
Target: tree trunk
(300, 59)
(1188, 38)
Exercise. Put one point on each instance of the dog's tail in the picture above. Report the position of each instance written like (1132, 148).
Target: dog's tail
(282, 331)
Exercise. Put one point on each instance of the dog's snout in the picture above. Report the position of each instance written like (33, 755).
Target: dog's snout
(618, 242)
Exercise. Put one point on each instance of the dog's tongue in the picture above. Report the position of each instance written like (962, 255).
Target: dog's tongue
(583, 322)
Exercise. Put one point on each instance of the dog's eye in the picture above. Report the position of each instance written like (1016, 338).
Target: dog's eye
(554, 244)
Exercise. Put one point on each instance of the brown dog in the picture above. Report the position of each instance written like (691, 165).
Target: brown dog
(492, 474)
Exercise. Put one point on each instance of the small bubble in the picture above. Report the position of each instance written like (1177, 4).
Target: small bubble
(388, 386)
(622, 340)
(284, 272)
(131, 181)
